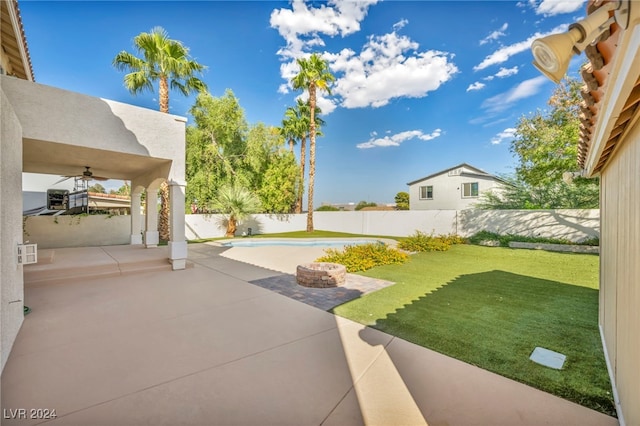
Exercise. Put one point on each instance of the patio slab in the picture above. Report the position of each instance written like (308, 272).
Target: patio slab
(202, 346)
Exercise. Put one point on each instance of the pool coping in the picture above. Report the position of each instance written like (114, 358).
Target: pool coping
(221, 243)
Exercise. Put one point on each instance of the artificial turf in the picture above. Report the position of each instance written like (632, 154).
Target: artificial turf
(491, 306)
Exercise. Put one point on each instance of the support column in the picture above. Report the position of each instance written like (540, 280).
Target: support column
(136, 224)
(177, 243)
(151, 236)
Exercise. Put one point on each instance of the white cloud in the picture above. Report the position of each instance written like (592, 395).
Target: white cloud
(557, 7)
(504, 53)
(389, 66)
(495, 34)
(523, 90)
(506, 72)
(505, 134)
(398, 138)
(400, 24)
(475, 86)
(326, 105)
(301, 25)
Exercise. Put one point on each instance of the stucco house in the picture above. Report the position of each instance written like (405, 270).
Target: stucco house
(47, 130)
(456, 188)
(609, 147)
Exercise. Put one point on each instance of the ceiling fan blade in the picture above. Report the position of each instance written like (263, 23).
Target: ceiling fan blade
(63, 179)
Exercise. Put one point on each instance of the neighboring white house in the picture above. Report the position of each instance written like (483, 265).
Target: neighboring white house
(457, 188)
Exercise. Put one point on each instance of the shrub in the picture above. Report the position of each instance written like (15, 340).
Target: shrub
(419, 241)
(327, 208)
(507, 238)
(363, 204)
(364, 256)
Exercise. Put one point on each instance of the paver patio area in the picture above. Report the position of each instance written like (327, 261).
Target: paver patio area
(204, 346)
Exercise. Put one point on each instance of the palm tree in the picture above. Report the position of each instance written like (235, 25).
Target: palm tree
(288, 129)
(300, 126)
(296, 127)
(236, 203)
(314, 75)
(167, 62)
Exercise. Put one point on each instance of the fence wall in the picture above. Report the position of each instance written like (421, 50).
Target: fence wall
(574, 225)
(77, 231)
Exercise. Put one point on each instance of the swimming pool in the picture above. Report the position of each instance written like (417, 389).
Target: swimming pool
(298, 243)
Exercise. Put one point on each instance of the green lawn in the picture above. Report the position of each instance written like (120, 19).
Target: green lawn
(491, 307)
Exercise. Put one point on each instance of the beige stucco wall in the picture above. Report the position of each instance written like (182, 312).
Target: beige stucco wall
(570, 224)
(619, 271)
(49, 114)
(11, 281)
(78, 231)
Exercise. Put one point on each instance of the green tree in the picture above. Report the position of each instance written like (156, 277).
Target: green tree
(314, 75)
(546, 146)
(270, 169)
(519, 195)
(166, 62)
(362, 204)
(236, 203)
(223, 149)
(327, 208)
(96, 187)
(215, 146)
(402, 200)
(546, 143)
(125, 189)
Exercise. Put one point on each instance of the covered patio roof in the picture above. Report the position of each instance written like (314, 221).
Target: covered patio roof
(63, 132)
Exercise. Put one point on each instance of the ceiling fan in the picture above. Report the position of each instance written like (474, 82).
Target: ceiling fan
(86, 175)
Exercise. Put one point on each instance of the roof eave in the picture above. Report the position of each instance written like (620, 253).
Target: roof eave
(20, 38)
(617, 110)
(447, 171)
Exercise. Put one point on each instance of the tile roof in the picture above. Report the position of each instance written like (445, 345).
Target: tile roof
(595, 74)
(14, 41)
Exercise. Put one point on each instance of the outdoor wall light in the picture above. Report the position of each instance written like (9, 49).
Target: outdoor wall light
(552, 53)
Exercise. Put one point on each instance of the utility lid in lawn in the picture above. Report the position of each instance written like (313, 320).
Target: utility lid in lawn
(548, 358)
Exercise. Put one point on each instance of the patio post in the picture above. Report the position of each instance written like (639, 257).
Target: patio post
(136, 225)
(151, 236)
(177, 243)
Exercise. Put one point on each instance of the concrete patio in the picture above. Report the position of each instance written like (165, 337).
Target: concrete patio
(203, 346)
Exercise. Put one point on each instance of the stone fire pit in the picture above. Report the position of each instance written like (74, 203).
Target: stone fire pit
(321, 274)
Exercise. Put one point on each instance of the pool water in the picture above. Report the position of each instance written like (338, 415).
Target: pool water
(298, 243)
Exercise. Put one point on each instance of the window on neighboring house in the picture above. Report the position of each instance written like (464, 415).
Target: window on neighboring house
(426, 192)
(470, 189)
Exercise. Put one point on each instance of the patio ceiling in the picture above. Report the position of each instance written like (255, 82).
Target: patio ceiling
(69, 160)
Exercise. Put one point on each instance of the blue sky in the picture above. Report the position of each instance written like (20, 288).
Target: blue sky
(421, 85)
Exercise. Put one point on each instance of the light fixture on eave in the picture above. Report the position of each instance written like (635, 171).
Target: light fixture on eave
(552, 53)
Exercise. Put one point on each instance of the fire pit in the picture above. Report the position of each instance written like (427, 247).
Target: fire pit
(321, 274)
